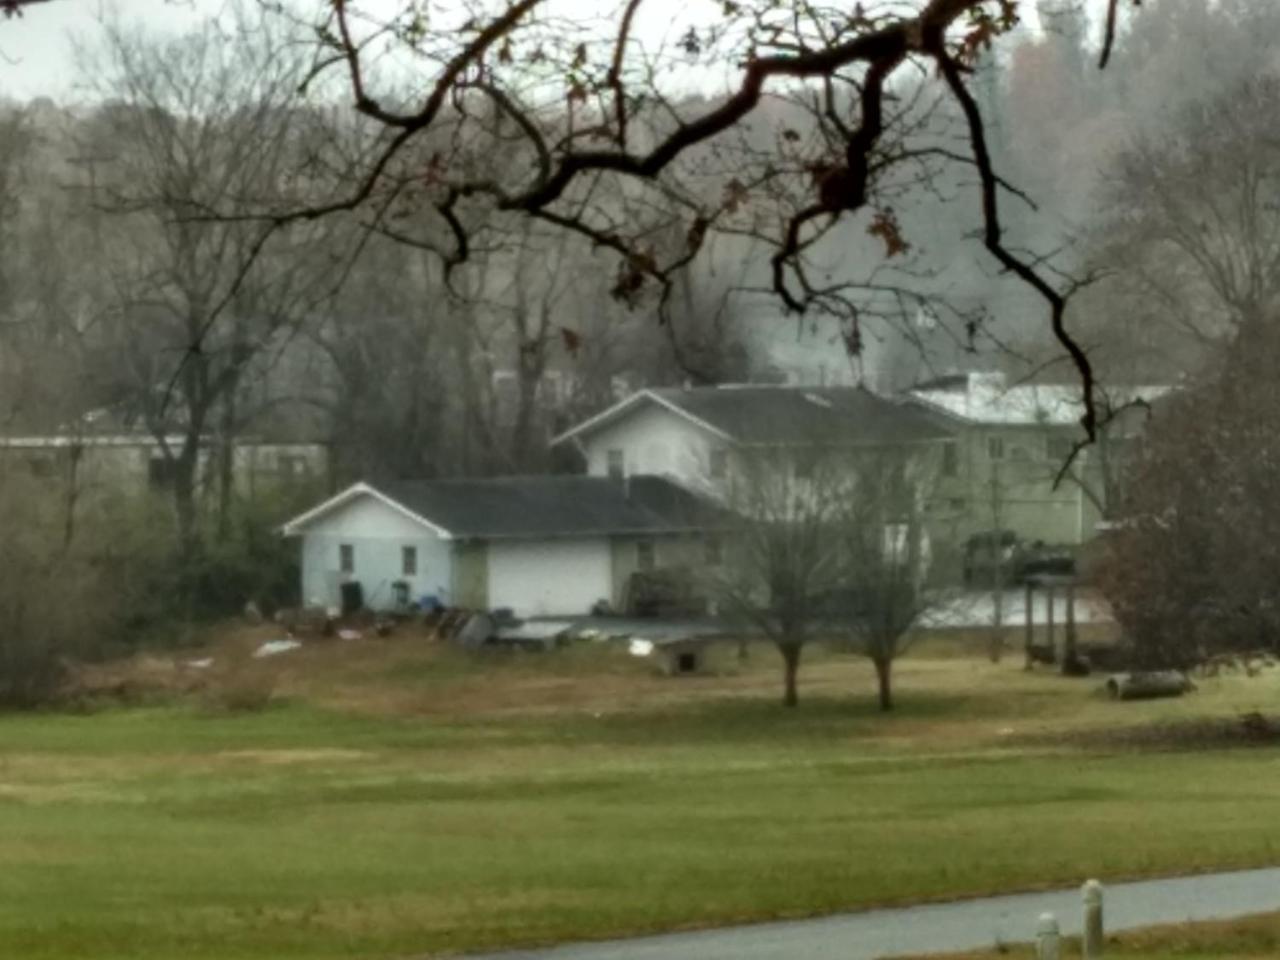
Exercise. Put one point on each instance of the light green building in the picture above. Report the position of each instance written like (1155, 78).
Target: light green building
(1006, 468)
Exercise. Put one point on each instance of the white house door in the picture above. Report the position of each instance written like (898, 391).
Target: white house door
(549, 577)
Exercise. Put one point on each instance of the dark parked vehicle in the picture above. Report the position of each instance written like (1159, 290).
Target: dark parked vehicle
(1043, 560)
(993, 555)
(999, 553)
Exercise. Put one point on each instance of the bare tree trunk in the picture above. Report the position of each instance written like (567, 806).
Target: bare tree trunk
(791, 666)
(184, 505)
(522, 435)
(74, 453)
(884, 682)
(995, 646)
(226, 467)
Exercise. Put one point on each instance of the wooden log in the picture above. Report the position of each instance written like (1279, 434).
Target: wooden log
(1143, 685)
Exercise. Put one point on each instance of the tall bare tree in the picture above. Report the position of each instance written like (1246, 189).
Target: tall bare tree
(1192, 233)
(886, 557)
(195, 123)
(786, 553)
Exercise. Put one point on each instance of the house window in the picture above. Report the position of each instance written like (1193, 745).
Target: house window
(718, 463)
(950, 459)
(409, 561)
(995, 448)
(616, 464)
(645, 555)
(715, 550)
(346, 558)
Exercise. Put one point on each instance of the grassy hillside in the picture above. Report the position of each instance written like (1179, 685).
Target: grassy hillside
(396, 798)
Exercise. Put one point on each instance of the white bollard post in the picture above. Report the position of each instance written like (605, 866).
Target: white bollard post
(1091, 945)
(1048, 939)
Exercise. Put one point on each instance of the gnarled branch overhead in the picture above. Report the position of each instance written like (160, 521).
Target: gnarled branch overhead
(522, 113)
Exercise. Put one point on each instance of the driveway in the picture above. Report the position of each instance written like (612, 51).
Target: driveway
(933, 928)
(977, 608)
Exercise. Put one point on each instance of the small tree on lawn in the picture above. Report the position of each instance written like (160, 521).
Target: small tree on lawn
(885, 558)
(785, 555)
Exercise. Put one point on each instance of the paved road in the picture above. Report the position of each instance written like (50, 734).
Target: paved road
(966, 925)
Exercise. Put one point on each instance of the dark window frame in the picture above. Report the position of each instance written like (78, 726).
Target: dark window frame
(615, 463)
(950, 458)
(714, 549)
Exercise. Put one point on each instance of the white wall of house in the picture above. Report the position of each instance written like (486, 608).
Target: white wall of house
(550, 577)
(654, 440)
(377, 535)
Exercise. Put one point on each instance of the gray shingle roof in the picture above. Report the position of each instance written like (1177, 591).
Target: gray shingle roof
(555, 506)
(791, 415)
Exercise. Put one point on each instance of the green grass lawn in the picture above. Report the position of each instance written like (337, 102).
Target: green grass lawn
(307, 831)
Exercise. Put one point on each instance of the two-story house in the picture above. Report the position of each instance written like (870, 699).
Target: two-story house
(691, 434)
(709, 439)
(1004, 469)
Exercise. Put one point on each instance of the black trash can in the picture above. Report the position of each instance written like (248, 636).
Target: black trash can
(352, 597)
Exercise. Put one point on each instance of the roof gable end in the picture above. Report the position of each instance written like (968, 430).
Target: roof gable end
(299, 524)
(624, 408)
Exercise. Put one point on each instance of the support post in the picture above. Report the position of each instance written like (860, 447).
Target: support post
(1069, 646)
(1091, 943)
(1053, 643)
(1048, 938)
(1029, 639)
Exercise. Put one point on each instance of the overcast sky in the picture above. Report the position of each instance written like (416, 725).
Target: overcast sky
(35, 49)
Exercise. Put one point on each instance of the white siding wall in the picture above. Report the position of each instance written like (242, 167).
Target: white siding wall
(654, 441)
(376, 533)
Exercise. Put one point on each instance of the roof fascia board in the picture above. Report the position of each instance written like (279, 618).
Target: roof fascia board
(622, 407)
(298, 524)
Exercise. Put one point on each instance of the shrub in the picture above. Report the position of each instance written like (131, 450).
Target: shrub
(57, 599)
(1191, 567)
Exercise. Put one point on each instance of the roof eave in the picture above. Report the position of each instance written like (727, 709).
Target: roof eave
(623, 407)
(297, 526)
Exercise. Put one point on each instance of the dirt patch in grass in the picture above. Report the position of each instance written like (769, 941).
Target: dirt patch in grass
(286, 757)
(1252, 729)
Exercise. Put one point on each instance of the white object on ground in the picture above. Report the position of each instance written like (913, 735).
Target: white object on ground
(1091, 943)
(1048, 938)
(273, 647)
(202, 664)
(640, 648)
(350, 635)
(977, 608)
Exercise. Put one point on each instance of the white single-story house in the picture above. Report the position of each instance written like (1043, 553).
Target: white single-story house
(548, 545)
